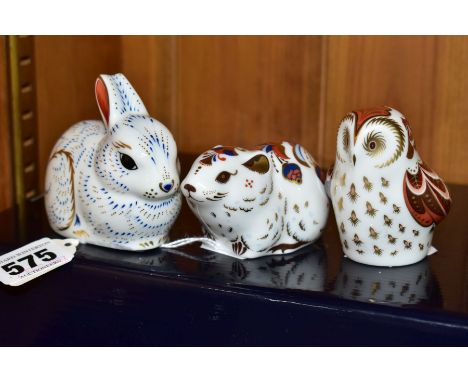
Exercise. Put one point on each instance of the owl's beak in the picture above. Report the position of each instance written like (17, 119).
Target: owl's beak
(354, 160)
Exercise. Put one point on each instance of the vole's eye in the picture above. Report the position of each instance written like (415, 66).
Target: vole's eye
(223, 177)
(128, 162)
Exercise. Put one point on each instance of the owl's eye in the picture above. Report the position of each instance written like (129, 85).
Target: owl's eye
(128, 162)
(346, 139)
(374, 143)
(223, 177)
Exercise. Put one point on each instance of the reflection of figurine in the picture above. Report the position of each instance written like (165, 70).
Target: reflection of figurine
(148, 261)
(387, 201)
(257, 202)
(304, 270)
(412, 284)
(115, 184)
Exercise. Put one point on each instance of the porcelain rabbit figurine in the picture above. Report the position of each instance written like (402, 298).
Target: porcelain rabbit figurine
(114, 183)
(257, 202)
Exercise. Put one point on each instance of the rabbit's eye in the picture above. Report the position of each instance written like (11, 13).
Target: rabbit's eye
(128, 162)
(223, 177)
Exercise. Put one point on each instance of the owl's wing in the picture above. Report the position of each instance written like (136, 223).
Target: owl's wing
(328, 179)
(329, 175)
(60, 193)
(426, 196)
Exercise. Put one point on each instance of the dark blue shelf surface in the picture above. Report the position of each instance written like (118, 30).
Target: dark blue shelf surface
(190, 296)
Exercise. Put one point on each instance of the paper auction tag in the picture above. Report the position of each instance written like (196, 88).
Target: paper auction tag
(33, 260)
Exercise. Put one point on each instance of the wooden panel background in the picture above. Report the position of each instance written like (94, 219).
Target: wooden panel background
(229, 90)
(66, 68)
(244, 90)
(6, 181)
(371, 71)
(424, 77)
(247, 90)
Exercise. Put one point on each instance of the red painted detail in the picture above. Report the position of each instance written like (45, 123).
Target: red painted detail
(426, 196)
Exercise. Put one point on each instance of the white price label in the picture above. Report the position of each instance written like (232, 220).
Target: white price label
(35, 259)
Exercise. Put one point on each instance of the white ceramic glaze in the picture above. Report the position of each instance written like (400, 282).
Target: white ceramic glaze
(257, 202)
(407, 285)
(114, 184)
(386, 200)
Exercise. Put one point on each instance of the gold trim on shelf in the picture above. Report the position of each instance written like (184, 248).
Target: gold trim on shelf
(23, 119)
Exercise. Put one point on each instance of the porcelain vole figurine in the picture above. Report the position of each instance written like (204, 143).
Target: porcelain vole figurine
(114, 183)
(257, 202)
(387, 201)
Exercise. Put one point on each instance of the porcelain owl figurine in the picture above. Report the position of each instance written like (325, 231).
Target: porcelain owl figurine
(257, 202)
(387, 201)
(114, 183)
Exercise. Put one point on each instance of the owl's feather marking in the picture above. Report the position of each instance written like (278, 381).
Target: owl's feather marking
(399, 135)
(426, 195)
(362, 116)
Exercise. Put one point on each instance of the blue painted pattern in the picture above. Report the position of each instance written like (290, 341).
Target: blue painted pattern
(95, 196)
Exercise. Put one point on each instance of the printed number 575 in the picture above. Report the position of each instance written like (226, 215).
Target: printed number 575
(15, 269)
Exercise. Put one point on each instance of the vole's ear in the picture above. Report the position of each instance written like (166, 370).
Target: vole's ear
(259, 163)
(117, 98)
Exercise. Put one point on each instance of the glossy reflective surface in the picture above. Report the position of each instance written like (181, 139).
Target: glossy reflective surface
(400, 286)
(303, 270)
(192, 296)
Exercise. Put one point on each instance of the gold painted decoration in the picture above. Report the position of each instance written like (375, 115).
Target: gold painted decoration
(403, 197)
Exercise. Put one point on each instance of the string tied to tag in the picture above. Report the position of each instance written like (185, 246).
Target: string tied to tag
(189, 240)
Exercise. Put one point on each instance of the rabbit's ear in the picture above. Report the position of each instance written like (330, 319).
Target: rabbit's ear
(117, 98)
(102, 98)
